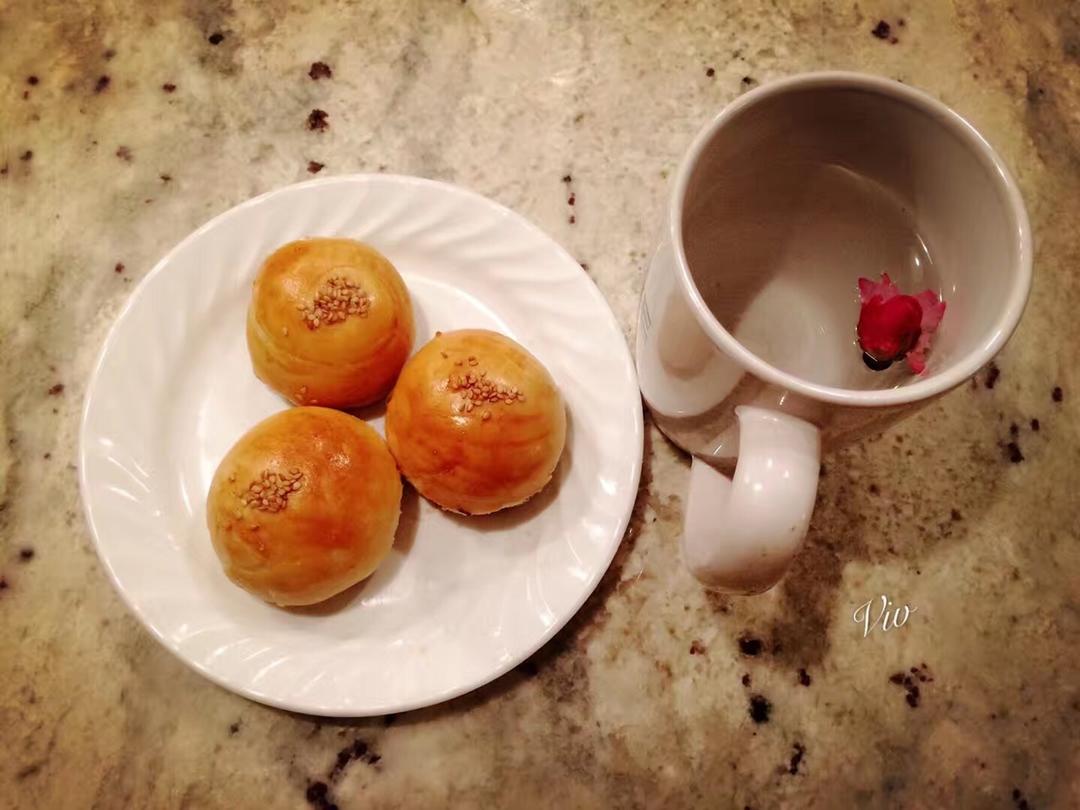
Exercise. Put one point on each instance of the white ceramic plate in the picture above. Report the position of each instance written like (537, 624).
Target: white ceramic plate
(459, 601)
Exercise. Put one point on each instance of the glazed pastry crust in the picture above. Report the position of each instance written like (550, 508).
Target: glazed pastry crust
(334, 524)
(462, 449)
(342, 363)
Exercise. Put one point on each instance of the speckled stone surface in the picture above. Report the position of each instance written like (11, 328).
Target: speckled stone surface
(138, 128)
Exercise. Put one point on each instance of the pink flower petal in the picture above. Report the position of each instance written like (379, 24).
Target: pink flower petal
(916, 358)
(933, 309)
(931, 305)
(884, 289)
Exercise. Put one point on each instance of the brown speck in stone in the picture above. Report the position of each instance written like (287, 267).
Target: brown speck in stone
(804, 677)
(1014, 429)
(320, 70)
(1057, 394)
(571, 199)
(567, 178)
(234, 728)
(119, 267)
(56, 390)
(873, 488)
(26, 554)
(749, 645)
(697, 648)
(357, 751)
(26, 95)
(28, 771)
(109, 54)
(746, 679)
(748, 80)
(573, 219)
(215, 38)
(3, 584)
(1012, 452)
(4, 169)
(31, 79)
(882, 30)
(102, 84)
(124, 153)
(992, 374)
(27, 155)
(710, 72)
(314, 167)
(317, 120)
(165, 178)
(1035, 425)
(317, 796)
(47, 456)
(760, 708)
(955, 515)
(901, 22)
(910, 687)
(169, 87)
(585, 266)
(796, 758)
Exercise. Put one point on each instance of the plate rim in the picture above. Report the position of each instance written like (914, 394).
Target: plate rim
(360, 178)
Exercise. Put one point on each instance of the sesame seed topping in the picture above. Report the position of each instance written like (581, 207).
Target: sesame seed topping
(477, 389)
(285, 331)
(336, 300)
(271, 490)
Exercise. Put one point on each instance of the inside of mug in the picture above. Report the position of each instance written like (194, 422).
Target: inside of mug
(805, 191)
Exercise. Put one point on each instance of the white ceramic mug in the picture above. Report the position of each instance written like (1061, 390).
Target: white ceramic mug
(746, 348)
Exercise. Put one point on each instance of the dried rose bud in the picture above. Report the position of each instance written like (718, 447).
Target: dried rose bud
(894, 326)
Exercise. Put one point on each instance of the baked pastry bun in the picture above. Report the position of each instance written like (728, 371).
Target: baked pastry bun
(330, 323)
(475, 422)
(304, 505)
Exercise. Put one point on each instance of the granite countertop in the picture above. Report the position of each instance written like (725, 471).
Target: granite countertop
(125, 126)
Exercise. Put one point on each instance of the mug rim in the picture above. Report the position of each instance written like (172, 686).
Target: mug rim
(999, 333)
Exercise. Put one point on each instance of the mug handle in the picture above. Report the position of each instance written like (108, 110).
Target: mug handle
(740, 534)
